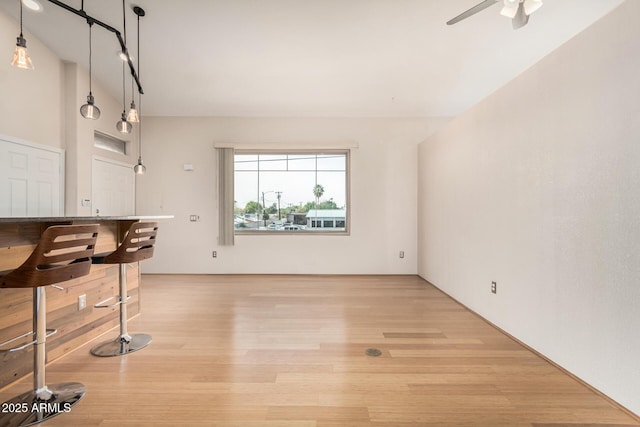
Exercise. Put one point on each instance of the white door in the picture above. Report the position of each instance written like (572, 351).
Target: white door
(30, 180)
(112, 187)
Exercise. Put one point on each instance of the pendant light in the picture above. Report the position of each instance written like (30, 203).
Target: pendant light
(90, 110)
(123, 124)
(21, 57)
(132, 115)
(140, 168)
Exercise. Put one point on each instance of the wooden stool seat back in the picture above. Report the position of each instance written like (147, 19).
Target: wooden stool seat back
(62, 253)
(137, 244)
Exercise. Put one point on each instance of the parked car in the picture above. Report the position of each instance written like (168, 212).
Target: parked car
(291, 227)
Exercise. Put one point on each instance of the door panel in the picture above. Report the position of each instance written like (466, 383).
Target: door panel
(30, 180)
(113, 188)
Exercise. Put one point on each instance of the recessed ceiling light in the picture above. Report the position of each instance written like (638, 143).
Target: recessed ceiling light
(32, 4)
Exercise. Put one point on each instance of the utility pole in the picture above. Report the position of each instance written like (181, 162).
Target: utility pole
(279, 193)
(264, 210)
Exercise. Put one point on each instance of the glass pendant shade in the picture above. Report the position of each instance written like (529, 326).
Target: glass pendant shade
(132, 116)
(123, 125)
(139, 168)
(90, 110)
(21, 57)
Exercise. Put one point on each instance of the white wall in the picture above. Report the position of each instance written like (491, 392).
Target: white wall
(42, 106)
(80, 131)
(383, 196)
(31, 99)
(537, 188)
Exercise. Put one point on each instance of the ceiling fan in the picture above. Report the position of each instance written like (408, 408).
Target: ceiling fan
(517, 10)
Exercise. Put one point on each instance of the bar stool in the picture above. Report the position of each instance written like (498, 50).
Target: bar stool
(137, 245)
(63, 253)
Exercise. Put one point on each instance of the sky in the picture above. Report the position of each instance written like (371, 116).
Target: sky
(293, 175)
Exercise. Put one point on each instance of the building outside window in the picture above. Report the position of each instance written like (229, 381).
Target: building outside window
(326, 218)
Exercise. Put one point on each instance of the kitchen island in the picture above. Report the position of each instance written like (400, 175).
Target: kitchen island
(70, 309)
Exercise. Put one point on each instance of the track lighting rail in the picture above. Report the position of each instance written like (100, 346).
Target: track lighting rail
(93, 20)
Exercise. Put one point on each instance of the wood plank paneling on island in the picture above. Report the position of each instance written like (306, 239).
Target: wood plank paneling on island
(74, 327)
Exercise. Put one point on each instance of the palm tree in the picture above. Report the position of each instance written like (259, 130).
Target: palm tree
(318, 191)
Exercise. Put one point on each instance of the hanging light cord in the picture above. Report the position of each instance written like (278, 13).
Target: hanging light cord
(124, 25)
(124, 102)
(138, 45)
(21, 36)
(132, 91)
(139, 99)
(90, 26)
(140, 127)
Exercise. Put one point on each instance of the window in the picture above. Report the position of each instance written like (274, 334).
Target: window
(109, 143)
(295, 191)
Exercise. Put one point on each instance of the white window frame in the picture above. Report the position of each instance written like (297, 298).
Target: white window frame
(106, 142)
(306, 232)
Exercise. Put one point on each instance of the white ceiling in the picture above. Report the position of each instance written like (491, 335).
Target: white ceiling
(311, 57)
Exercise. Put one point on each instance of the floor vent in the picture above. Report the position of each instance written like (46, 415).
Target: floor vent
(373, 352)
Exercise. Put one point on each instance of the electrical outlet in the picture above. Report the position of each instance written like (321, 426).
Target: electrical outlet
(214, 254)
(401, 254)
(494, 287)
(82, 302)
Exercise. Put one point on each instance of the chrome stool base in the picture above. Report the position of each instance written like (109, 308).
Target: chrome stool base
(30, 408)
(122, 345)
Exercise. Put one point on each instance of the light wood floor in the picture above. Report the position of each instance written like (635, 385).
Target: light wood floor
(290, 351)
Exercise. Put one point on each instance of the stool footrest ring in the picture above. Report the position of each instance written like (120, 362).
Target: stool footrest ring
(122, 345)
(25, 345)
(102, 304)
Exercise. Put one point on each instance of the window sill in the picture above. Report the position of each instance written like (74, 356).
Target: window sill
(290, 233)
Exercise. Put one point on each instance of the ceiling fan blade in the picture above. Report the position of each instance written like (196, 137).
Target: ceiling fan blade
(521, 18)
(475, 9)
